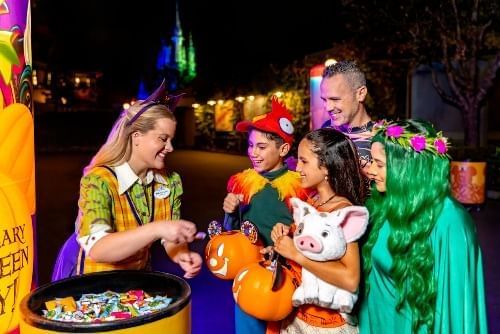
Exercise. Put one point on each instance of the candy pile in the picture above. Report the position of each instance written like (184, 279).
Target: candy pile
(106, 306)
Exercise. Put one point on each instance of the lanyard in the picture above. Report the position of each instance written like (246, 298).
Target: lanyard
(132, 205)
(134, 209)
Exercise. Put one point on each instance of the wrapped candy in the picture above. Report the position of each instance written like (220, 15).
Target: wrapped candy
(106, 306)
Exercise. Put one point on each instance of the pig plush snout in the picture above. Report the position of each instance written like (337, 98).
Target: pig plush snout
(309, 244)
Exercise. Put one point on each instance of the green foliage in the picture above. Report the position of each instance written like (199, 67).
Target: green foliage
(205, 127)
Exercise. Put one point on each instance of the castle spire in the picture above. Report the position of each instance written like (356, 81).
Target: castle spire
(191, 60)
(177, 29)
(178, 43)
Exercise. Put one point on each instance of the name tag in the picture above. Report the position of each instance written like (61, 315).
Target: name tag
(162, 192)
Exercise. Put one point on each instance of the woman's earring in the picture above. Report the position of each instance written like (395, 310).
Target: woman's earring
(326, 177)
(135, 135)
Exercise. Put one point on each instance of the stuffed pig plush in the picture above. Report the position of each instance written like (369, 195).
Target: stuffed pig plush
(323, 236)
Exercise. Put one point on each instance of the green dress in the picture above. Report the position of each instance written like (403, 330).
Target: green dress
(460, 303)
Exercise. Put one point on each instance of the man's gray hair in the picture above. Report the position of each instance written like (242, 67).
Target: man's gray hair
(350, 70)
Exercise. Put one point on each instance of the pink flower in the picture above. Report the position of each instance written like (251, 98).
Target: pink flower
(440, 146)
(418, 143)
(394, 131)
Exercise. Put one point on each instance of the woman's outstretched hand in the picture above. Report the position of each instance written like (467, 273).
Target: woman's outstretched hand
(177, 231)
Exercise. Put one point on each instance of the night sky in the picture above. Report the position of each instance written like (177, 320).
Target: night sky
(234, 40)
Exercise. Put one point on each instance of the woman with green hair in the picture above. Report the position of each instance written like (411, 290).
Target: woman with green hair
(422, 261)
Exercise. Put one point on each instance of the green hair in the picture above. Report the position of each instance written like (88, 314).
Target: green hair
(416, 186)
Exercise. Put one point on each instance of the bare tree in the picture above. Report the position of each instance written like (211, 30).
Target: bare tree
(463, 35)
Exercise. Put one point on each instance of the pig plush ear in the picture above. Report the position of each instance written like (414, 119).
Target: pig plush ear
(354, 221)
(300, 209)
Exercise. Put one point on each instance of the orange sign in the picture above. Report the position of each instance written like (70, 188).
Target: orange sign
(468, 181)
(224, 116)
(17, 161)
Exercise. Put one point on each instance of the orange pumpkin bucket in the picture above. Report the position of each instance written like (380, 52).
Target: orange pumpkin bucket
(253, 292)
(227, 252)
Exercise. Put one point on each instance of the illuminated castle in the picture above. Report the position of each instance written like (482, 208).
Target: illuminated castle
(176, 62)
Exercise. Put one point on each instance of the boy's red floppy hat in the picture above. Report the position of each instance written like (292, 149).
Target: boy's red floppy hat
(278, 121)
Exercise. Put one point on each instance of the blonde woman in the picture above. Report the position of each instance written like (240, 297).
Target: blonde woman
(128, 199)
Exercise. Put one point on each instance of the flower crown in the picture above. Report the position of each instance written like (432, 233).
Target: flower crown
(409, 140)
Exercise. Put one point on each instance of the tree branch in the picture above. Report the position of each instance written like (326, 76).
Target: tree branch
(437, 86)
(474, 13)
(488, 77)
(457, 20)
(482, 30)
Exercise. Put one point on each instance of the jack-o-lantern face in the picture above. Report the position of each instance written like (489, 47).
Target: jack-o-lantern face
(252, 291)
(228, 252)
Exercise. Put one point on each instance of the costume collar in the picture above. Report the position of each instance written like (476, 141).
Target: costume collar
(355, 129)
(249, 182)
(126, 177)
(275, 173)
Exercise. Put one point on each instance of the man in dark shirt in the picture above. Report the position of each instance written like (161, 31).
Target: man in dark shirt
(343, 92)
